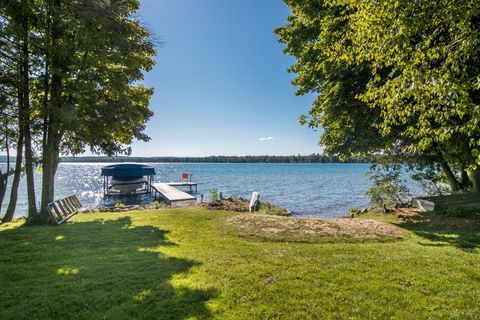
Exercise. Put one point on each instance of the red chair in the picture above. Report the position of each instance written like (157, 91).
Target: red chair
(185, 176)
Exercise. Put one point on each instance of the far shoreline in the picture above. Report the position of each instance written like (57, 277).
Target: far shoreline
(314, 158)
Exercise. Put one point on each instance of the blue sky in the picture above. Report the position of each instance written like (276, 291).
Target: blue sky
(221, 81)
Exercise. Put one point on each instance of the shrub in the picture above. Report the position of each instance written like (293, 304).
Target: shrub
(353, 212)
(388, 186)
(155, 205)
(269, 208)
(119, 205)
(214, 195)
(456, 212)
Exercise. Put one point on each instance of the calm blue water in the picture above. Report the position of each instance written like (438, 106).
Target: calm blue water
(322, 190)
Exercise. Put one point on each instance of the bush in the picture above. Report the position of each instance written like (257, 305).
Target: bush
(155, 205)
(388, 187)
(353, 212)
(119, 205)
(268, 208)
(456, 212)
(214, 195)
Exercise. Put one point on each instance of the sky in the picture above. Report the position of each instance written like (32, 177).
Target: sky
(221, 81)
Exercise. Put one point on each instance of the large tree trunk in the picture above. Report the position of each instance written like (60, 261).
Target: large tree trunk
(475, 171)
(465, 182)
(47, 177)
(476, 179)
(475, 174)
(50, 165)
(51, 145)
(16, 181)
(25, 115)
(452, 180)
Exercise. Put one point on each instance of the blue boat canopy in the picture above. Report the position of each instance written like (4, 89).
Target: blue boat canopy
(128, 169)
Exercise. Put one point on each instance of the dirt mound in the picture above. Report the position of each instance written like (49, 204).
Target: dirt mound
(241, 205)
(229, 204)
(311, 230)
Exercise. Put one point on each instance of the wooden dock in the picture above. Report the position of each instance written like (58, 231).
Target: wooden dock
(189, 184)
(175, 197)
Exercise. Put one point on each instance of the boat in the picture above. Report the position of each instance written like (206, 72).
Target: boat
(127, 184)
(127, 179)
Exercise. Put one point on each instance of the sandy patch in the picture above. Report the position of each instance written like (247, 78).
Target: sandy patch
(295, 229)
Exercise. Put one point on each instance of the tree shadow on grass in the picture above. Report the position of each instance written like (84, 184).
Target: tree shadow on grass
(442, 231)
(94, 270)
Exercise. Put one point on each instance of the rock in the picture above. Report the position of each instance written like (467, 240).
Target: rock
(223, 198)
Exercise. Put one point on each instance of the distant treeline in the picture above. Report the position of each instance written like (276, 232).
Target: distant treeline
(313, 158)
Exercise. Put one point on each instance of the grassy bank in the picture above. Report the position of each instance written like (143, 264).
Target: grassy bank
(189, 264)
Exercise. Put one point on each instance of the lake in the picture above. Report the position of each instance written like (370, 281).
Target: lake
(308, 190)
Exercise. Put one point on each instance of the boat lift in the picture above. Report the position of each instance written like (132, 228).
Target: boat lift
(127, 172)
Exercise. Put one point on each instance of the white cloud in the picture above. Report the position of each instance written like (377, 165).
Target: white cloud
(265, 139)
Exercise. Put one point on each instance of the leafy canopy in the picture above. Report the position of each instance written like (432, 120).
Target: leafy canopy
(391, 77)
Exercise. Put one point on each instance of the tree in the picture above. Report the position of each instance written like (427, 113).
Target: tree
(397, 79)
(95, 54)
(24, 103)
(6, 97)
(16, 17)
(11, 97)
(76, 72)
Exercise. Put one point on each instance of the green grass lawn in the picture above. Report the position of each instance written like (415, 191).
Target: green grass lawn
(187, 264)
